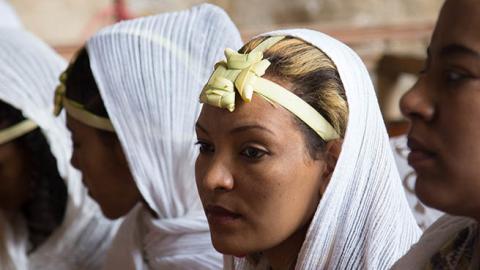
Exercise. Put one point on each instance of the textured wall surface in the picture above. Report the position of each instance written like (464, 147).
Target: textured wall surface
(66, 24)
(71, 21)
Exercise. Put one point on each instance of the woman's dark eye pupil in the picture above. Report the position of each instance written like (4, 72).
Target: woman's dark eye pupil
(204, 148)
(252, 152)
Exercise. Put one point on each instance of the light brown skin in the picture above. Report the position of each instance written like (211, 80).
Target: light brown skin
(254, 162)
(15, 180)
(104, 169)
(444, 109)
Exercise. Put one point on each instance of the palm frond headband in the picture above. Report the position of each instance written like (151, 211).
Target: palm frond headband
(77, 110)
(10, 133)
(244, 72)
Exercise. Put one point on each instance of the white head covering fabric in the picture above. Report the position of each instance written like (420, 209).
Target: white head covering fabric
(424, 215)
(363, 220)
(8, 16)
(150, 72)
(29, 72)
(437, 235)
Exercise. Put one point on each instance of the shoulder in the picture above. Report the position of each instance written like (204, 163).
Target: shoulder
(443, 230)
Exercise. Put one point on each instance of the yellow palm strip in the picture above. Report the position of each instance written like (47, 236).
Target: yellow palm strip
(15, 131)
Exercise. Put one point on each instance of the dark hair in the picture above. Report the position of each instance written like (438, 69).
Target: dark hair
(82, 88)
(45, 209)
(314, 79)
(81, 85)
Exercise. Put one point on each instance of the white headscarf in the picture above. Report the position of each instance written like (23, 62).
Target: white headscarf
(150, 72)
(363, 220)
(29, 72)
(8, 16)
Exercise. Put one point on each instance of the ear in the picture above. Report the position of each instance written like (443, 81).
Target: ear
(331, 154)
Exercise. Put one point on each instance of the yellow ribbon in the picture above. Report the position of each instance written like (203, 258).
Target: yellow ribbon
(77, 110)
(244, 72)
(10, 133)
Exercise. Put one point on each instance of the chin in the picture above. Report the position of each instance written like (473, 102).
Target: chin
(227, 247)
(435, 195)
(425, 191)
(110, 214)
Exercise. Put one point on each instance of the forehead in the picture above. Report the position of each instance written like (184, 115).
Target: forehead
(257, 112)
(78, 129)
(458, 23)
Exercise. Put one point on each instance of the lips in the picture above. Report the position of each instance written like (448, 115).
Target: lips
(221, 216)
(420, 155)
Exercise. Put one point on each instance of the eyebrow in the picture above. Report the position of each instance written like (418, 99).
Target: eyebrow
(459, 50)
(239, 129)
(198, 126)
(248, 127)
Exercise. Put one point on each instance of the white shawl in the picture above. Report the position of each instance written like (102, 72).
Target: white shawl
(29, 72)
(433, 239)
(363, 220)
(150, 72)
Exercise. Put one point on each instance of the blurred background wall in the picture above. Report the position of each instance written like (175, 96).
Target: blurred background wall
(390, 35)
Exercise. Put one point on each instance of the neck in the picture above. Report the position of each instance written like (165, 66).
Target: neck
(284, 256)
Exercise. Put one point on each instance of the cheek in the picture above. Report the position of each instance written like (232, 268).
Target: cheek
(284, 195)
(280, 199)
(14, 184)
(95, 165)
(199, 173)
(459, 133)
(452, 186)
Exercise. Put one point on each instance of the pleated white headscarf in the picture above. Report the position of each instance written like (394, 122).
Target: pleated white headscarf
(29, 72)
(363, 220)
(8, 16)
(150, 72)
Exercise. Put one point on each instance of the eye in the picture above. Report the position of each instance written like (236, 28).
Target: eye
(205, 147)
(453, 76)
(253, 153)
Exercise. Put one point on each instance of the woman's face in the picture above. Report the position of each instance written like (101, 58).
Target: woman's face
(444, 109)
(104, 169)
(15, 179)
(257, 182)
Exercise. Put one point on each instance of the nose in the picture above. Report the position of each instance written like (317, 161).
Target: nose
(215, 175)
(417, 103)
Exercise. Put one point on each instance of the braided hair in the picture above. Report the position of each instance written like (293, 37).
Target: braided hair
(45, 207)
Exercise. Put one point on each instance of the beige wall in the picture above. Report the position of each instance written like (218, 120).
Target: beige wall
(71, 21)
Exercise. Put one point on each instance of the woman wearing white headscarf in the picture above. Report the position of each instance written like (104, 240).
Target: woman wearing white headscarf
(300, 179)
(47, 220)
(134, 137)
(443, 108)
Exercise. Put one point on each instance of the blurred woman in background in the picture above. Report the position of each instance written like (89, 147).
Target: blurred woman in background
(131, 99)
(46, 219)
(444, 110)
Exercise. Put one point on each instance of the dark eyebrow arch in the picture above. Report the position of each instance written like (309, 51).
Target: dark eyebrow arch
(198, 126)
(459, 50)
(238, 129)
